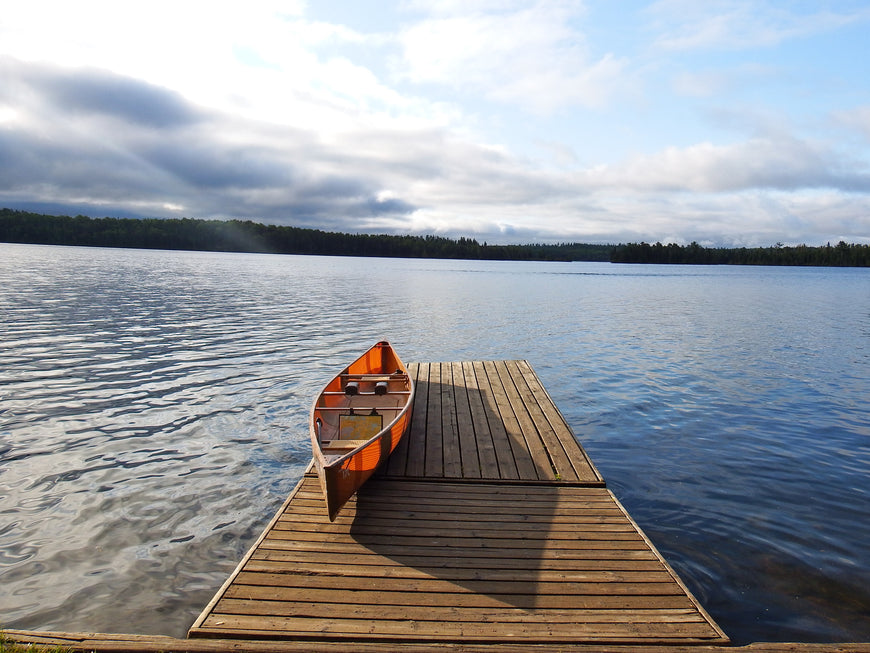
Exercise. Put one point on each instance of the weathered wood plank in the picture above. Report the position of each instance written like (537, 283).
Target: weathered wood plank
(505, 503)
(398, 461)
(463, 556)
(416, 437)
(483, 441)
(463, 575)
(430, 560)
(559, 459)
(503, 614)
(512, 491)
(506, 465)
(451, 452)
(534, 444)
(467, 600)
(434, 467)
(445, 526)
(468, 631)
(520, 544)
(503, 587)
(122, 643)
(494, 509)
(467, 441)
(581, 463)
(596, 517)
(526, 468)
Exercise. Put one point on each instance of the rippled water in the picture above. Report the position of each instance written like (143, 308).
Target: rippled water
(153, 416)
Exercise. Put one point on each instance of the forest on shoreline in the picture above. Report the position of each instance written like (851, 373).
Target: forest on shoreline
(840, 255)
(247, 236)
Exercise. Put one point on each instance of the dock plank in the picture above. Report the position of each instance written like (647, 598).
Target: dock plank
(478, 425)
(466, 443)
(550, 441)
(434, 438)
(542, 465)
(523, 458)
(416, 438)
(576, 456)
(451, 450)
(506, 467)
(120, 643)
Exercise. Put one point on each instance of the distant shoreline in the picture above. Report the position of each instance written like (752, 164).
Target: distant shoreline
(247, 236)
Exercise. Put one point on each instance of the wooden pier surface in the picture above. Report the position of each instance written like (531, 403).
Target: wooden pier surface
(488, 525)
(488, 421)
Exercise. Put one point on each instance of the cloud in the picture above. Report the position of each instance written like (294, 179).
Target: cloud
(856, 121)
(116, 96)
(684, 25)
(105, 158)
(522, 53)
(779, 163)
(99, 139)
(712, 83)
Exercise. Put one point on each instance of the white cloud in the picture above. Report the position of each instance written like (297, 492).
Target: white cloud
(530, 55)
(711, 83)
(856, 120)
(257, 58)
(760, 163)
(739, 24)
(465, 7)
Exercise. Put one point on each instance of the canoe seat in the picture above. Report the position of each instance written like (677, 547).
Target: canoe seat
(328, 446)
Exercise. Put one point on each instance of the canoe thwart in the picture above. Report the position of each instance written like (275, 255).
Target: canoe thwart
(389, 392)
(377, 376)
(341, 445)
(357, 409)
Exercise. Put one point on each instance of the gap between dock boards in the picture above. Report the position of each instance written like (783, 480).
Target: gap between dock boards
(488, 524)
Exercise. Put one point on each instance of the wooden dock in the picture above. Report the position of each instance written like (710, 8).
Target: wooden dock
(489, 525)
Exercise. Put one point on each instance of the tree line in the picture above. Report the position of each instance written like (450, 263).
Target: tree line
(840, 255)
(247, 236)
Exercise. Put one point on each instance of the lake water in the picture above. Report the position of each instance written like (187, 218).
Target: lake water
(153, 414)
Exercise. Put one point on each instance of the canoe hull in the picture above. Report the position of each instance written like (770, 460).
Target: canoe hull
(355, 429)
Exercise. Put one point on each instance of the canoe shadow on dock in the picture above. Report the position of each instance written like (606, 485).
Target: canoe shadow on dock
(529, 547)
(487, 421)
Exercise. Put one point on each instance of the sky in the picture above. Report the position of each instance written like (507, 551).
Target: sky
(725, 122)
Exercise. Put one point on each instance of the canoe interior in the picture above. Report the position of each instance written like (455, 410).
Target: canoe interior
(358, 420)
(347, 418)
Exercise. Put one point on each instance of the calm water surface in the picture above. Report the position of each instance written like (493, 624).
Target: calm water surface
(153, 416)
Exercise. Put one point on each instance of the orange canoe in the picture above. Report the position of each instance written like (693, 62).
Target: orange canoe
(357, 421)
